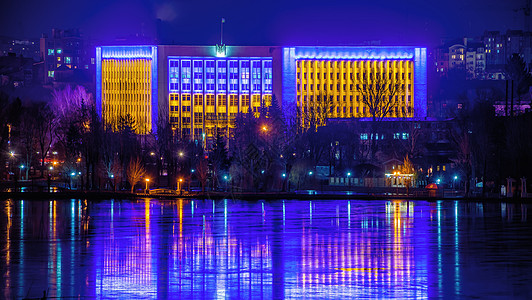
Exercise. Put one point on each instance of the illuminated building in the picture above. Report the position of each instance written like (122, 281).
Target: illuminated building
(204, 90)
(199, 90)
(126, 85)
(340, 73)
(62, 53)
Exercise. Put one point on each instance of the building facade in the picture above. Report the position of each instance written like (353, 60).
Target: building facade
(199, 90)
(126, 86)
(62, 52)
(340, 78)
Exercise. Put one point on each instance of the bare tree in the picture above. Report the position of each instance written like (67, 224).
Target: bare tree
(314, 113)
(45, 126)
(408, 168)
(202, 169)
(135, 171)
(382, 94)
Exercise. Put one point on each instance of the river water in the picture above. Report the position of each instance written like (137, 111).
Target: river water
(231, 249)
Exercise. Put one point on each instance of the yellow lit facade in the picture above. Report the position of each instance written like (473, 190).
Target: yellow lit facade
(126, 89)
(206, 94)
(340, 81)
(208, 113)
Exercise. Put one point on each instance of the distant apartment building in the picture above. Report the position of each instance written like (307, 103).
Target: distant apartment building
(65, 54)
(27, 48)
(485, 57)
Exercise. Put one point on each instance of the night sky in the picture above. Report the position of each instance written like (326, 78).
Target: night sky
(276, 22)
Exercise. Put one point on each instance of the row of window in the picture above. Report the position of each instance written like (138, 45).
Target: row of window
(344, 98)
(351, 63)
(396, 136)
(209, 75)
(222, 99)
(357, 87)
(351, 77)
(310, 110)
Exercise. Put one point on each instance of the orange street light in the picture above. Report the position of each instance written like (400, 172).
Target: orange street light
(147, 181)
(264, 128)
(179, 184)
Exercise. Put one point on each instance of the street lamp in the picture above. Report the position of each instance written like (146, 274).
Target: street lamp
(310, 173)
(72, 178)
(348, 179)
(20, 173)
(179, 185)
(147, 181)
(454, 179)
(181, 154)
(264, 128)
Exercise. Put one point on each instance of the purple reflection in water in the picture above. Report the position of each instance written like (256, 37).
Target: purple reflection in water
(282, 249)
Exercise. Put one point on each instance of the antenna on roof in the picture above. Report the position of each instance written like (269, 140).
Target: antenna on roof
(222, 31)
(220, 49)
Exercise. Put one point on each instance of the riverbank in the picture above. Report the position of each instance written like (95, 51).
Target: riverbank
(301, 195)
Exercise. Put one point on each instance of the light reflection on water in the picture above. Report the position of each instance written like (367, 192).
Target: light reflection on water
(280, 249)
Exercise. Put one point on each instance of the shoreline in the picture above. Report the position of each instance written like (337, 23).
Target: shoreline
(96, 195)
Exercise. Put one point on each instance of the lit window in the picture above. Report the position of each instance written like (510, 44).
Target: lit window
(405, 136)
(68, 60)
(59, 51)
(443, 167)
(363, 136)
(51, 51)
(51, 74)
(59, 58)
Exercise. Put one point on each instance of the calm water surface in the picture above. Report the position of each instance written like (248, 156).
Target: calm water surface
(231, 249)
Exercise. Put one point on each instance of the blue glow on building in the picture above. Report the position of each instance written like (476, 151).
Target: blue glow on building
(420, 83)
(99, 80)
(288, 98)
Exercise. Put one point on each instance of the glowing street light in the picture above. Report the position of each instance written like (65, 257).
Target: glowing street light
(181, 154)
(179, 184)
(264, 128)
(310, 173)
(284, 175)
(147, 181)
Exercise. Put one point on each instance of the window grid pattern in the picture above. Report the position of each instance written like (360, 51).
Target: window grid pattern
(219, 89)
(339, 80)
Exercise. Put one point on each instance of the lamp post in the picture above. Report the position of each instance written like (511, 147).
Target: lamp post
(147, 181)
(349, 180)
(179, 185)
(72, 179)
(20, 171)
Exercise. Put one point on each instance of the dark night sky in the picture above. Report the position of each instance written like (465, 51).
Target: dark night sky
(275, 22)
